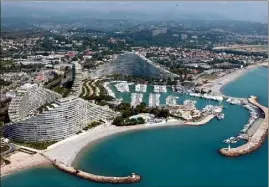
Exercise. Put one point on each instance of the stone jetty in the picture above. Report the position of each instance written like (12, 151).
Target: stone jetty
(256, 140)
(96, 178)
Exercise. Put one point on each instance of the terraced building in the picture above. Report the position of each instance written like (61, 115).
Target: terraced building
(56, 120)
(28, 99)
(129, 63)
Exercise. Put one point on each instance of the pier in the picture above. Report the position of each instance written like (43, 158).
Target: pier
(122, 87)
(133, 178)
(136, 99)
(207, 96)
(154, 100)
(141, 88)
(171, 100)
(160, 88)
(257, 138)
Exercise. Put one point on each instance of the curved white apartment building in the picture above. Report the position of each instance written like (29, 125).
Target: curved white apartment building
(28, 99)
(39, 114)
(63, 118)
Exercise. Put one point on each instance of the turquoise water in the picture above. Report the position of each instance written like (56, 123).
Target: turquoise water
(253, 83)
(170, 156)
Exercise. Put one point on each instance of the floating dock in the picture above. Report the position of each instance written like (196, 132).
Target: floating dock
(154, 100)
(141, 88)
(159, 88)
(122, 87)
(171, 100)
(136, 99)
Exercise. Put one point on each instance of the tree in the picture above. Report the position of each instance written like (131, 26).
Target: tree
(118, 121)
(45, 54)
(126, 113)
(140, 120)
(80, 57)
(141, 107)
(75, 58)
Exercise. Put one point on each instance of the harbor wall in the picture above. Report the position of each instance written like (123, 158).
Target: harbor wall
(97, 178)
(257, 138)
(133, 178)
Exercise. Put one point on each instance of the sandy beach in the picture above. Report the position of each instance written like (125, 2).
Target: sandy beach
(216, 85)
(67, 150)
(21, 160)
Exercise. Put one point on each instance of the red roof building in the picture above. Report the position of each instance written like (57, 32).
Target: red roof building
(71, 53)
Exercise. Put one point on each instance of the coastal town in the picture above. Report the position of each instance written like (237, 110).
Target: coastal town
(62, 89)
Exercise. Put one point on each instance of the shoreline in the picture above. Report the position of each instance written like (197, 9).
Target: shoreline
(218, 85)
(79, 143)
(105, 132)
(20, 161)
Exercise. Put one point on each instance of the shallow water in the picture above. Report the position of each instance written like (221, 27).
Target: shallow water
(253, 83)
(171, 156)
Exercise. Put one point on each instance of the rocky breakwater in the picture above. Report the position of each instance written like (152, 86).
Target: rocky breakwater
(96, 178)
(257, 138)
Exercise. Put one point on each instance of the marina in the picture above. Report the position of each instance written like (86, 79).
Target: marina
(234, 101)
(254, 141)
(154, 100)
(253, 117)
(171, 100)
(141, 88)
(164, 96)
(212, 109)
(160, 88)
(122, 87)
(206, 96)
(136, 99)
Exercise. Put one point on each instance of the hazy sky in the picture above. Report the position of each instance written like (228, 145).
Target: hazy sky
(248, 10)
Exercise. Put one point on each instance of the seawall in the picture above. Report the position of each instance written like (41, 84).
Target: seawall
(133, 178)
(257, 138)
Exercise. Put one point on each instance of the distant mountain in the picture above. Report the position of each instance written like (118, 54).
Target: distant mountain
(248, 11)
(47, 9)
